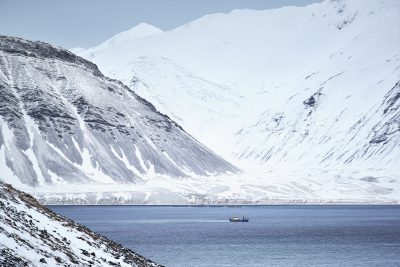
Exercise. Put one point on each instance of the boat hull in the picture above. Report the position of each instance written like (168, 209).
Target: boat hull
(238, 220)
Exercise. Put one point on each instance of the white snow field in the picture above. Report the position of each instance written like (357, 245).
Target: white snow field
(305, 100)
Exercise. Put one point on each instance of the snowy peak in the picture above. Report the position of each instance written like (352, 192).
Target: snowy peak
(139, 31)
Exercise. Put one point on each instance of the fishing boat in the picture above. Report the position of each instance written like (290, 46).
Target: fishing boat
(238, 219)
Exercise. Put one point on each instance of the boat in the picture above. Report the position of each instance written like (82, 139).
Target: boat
(238, 219)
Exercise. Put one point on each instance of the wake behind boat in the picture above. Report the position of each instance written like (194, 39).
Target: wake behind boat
(238, 219)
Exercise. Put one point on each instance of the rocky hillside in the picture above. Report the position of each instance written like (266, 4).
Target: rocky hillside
(32, 235)
(63, 122)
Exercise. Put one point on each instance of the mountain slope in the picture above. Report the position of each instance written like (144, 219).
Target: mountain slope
(63, 122)
(301, 88)
(32, 235)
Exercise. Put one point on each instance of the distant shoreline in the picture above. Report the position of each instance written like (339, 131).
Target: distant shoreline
(235, 205)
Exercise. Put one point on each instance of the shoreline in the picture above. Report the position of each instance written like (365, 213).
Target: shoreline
(389, 204)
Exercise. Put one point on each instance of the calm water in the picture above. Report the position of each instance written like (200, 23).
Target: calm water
(275, 235)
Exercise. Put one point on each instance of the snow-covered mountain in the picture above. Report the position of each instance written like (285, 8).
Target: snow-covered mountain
(139, 31)
(32, 235)
(303, 99)
(63, 122)
(303, 94)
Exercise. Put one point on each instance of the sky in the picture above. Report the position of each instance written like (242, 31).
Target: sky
(87, 23)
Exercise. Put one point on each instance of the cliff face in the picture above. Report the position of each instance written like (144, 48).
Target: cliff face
(32, 235)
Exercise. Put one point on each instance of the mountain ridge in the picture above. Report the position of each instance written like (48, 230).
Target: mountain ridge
(63, 120)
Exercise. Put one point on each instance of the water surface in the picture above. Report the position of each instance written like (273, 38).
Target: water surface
(275, 235)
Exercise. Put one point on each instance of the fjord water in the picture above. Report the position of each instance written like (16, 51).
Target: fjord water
(275, 235)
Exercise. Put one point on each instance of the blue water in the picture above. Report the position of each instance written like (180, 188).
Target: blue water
(275, 235)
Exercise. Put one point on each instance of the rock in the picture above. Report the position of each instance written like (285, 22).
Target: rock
(47, 245)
